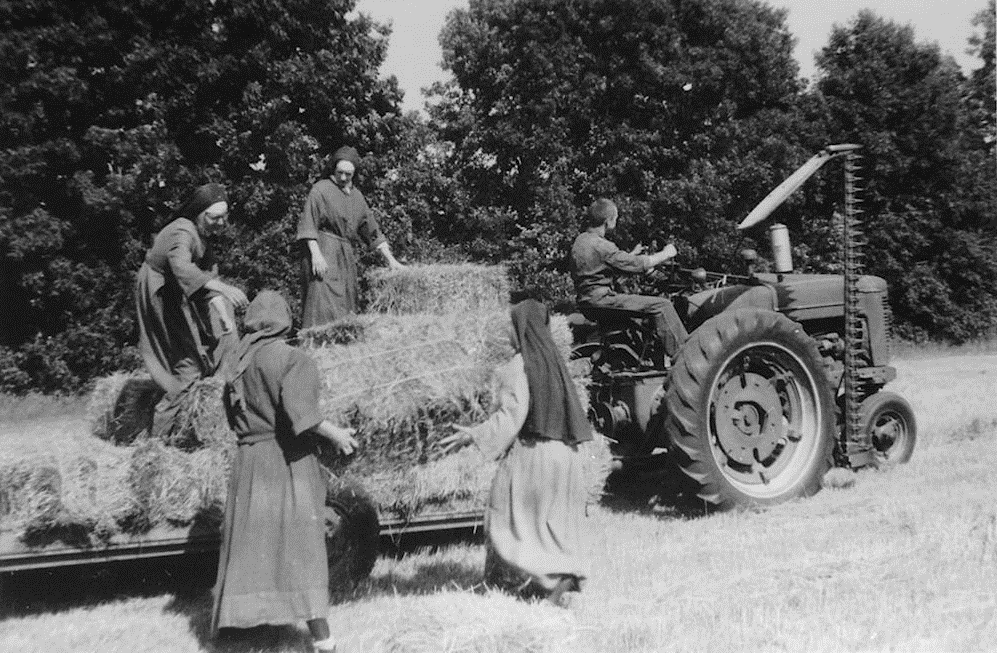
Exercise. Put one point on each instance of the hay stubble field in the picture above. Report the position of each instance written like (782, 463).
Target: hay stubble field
(898, 561)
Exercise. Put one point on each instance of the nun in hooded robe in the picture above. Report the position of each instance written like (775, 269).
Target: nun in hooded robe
(335, 219)
(273, 567)
(185, 312)
(536, 508)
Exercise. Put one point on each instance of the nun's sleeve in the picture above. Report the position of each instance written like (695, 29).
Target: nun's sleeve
(494, 436)
(299, 392)
(368, 228)
(311, 215)
(179, 255)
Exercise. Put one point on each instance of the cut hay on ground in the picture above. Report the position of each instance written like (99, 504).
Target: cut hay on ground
(438, 289)
(463, 621)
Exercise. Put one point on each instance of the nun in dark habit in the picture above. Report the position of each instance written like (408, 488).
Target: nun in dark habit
(335, 219)
(273, 566)
(185, 312)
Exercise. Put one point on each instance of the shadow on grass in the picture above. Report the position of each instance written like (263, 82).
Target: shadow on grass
(653, 487)
(428, 578)
(61, 589)
(195, 605)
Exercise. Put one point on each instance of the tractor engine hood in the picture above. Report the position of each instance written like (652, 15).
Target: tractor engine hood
(801, 297)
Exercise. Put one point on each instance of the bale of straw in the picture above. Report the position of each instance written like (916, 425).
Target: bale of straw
(344, 331)
(95, 494)
(402, 385)
(30, 492)
(201, 420)
(173, 487)
(408, 379)
(121, 406)
(438, 289)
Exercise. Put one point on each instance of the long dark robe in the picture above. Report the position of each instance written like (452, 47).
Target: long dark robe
(273, 567)
(180, 339)
(337, 221)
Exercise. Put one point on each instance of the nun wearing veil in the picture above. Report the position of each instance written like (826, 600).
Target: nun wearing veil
(185, 312)
(536, 508)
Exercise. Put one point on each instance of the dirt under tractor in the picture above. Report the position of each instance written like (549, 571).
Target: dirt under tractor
(781, 377)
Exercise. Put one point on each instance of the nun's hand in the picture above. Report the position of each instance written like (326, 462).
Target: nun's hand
(342, 439)
(319, 266)
(458, 440)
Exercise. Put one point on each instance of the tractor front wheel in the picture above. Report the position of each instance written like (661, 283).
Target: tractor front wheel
(750, 413)
(889, 421)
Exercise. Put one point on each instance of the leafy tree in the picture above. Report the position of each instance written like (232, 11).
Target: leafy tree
(113, 111)
(684, 111)
(904, 102)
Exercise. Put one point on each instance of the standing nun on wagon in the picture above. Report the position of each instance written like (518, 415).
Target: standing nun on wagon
(273, 567)
(185, 312)
(536, 507)
(335, 218)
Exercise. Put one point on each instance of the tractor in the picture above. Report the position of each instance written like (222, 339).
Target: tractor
(781, 377)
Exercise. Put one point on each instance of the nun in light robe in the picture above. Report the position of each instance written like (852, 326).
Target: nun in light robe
(536, 508)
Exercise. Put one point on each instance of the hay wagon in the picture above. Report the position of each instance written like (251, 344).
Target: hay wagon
(400, 375)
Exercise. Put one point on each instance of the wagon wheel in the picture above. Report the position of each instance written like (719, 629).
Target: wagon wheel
(889, 421)
(750, 413)
(352, 531)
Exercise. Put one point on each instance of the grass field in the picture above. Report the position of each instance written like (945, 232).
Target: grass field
(899, 561)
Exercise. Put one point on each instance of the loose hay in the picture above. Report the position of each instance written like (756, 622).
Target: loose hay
(438, 289)
(466, 622)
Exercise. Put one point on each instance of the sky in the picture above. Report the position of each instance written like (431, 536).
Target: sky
(414, 53)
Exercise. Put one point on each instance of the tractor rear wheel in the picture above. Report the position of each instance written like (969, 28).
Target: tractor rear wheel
(750, 413)
(889, 421)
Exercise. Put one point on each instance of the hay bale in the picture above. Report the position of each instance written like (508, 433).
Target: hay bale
(438, 289)
(402, 385)
(343, 331)
(170, 486)
(95, 495)
(121, 406)
(30, 492)
(201, 420)
(411, 376)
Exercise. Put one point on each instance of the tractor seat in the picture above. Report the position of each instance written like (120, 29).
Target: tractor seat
(608, 317)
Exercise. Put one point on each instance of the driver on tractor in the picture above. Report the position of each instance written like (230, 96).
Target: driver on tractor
(596, 261)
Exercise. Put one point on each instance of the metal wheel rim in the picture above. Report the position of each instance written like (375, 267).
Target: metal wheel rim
(789, 449)
(889, 433)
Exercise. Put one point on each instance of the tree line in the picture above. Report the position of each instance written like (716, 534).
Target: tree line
(686, 112)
